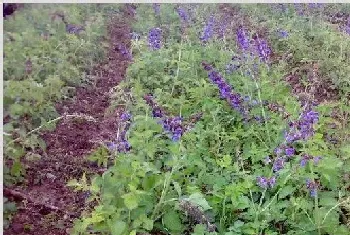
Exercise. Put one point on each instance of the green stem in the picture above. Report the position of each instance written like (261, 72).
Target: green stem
(164, 192)
(178, 69)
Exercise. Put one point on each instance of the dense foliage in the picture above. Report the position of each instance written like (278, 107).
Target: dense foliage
(219, 145)
(215, 139)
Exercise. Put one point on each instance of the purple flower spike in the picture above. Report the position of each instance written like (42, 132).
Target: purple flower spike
(304, 161)
(282, 33)
(111, 146)
(278, 151)
(278, 164)
(264, 50)
(242, 38)
(208, 31)
(272, 181)
(312, 187)
(125, 116)
(183, 14)
(290, 152)
(154, 38)
(157, 112)
(262, 181)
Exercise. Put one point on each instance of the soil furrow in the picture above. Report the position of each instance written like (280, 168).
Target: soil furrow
(46, 205)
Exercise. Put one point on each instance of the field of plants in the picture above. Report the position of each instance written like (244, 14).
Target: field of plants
(136, 119)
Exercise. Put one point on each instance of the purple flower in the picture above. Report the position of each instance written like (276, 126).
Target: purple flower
(304, 160)
(317, 159)
(125, 116)
(302, 128)
(272, 181)
(227, 92)
(312, 187)
(278, 151)
(183, 14)
(264, 50)
(111, 146)
(231, 68)
(176, 137)
(282, 33)
(123, 135)
(242, 39)
(290, 151)
(157, 112)
(262, 181)
(154, 38)
(208, 30)
(265, 182)
(278, 164)
(307, 158)
(156, 8)
(123, 146)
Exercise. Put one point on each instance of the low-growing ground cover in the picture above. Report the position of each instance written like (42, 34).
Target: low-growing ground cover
(235, 121)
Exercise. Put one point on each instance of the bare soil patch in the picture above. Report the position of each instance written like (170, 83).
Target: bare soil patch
(45, 204)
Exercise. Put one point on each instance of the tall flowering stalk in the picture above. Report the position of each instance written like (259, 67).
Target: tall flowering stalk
(242, 38)
(183, 14)
(155, 38)
(299, 130)
(236, 101)
(208, 31)
(263, 49)
(258, 48)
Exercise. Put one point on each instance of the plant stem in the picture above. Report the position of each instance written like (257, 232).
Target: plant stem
(178, 69)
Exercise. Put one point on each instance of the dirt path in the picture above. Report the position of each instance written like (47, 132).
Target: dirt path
(45, 205)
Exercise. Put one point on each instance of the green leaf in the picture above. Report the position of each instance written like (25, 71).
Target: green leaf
(172, 221)
(17, 168)
(199, 229)
(198, 198)
(286, 190)
(243, 202)
(327, 200)
(130, 200)
(118, 227)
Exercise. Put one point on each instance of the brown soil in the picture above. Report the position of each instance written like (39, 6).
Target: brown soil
(318, 88)
(45, 204)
